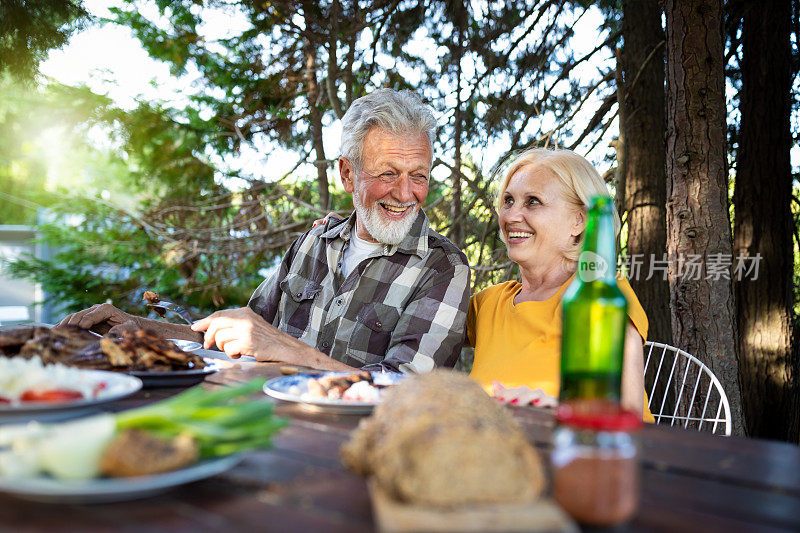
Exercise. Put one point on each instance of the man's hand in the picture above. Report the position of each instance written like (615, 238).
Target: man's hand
(102, 318)
(241, 331)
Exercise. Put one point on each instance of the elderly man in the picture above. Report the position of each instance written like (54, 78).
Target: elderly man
(378, 290)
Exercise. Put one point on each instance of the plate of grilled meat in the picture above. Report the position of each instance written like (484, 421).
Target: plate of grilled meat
(355, 392)
(156, 361)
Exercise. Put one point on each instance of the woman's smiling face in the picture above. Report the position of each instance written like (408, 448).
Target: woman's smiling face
(537, 221)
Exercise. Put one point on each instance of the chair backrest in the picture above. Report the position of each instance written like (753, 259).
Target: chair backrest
(684, 391)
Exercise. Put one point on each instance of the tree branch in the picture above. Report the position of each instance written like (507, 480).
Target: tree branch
(333, 66)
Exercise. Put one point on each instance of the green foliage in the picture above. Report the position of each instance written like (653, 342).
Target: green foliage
(169, 226)
(42, 132)
(159, 208)
(30, 28)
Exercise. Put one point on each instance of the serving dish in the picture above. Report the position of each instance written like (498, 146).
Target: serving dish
(294, 389)
(542, 514)
(50, 490)
(176, 378)
(117, 386)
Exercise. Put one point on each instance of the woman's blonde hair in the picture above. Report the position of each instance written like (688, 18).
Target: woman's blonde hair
(580, 179)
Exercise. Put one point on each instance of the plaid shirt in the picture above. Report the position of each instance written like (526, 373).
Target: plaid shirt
(403, 309)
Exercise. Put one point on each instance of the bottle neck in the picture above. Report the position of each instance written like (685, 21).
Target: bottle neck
(598, 259)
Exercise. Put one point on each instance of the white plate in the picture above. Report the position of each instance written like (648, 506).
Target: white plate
(117, 386)
(295, 389)
(45, 489)
(186, 346)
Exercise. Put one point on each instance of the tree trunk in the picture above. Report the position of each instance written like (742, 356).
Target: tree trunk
(698, 224)
(312, 94)
(456, 216)
(645, 175)
(763, 224)
(333, 63)
(621, 172)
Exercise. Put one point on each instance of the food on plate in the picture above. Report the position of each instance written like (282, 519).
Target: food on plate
(46, 343)
(50, 395)
(521, 396)
(337, 386)
(73, 450)
(362, 391)
(438, 439)
(139, 453)
(56, 345)
(151, 297)
(143, 350)
(73, 346)
(196, 424)
(11, 340)
(25, 381)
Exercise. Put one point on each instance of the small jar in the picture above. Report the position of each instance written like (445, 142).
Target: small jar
(595, 463)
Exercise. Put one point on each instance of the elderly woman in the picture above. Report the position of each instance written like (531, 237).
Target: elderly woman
(515, 327)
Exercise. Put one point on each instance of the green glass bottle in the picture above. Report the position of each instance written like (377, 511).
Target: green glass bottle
(595, 313)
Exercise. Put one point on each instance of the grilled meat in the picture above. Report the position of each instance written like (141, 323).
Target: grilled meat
(334, 386)
(148, 351)
(138, 453)
(58, 345)
(117, 356)
(12, 340)
(151, 297)
(16, 337)
(74, 346)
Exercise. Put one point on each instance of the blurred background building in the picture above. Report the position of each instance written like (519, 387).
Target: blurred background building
(21, 300)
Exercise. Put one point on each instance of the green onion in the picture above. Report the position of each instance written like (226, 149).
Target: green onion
(221, 421)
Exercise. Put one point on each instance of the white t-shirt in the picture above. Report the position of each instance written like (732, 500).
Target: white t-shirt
(358, 250)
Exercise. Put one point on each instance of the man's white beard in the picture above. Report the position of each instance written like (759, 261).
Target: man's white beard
(381, 228)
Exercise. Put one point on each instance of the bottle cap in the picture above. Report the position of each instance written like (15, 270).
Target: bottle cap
(597, 415)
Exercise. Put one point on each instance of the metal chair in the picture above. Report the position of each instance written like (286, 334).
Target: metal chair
(669, 390)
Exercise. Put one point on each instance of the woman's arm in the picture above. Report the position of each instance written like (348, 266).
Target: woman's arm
(633, 371)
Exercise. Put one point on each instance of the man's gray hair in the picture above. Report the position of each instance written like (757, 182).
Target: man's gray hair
(397, 112)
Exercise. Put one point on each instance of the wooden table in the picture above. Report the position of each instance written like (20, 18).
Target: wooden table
(690, 481)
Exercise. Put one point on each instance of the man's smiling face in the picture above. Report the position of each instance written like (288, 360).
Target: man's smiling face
(391, 186)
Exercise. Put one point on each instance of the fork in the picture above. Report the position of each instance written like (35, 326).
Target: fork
(161, 307)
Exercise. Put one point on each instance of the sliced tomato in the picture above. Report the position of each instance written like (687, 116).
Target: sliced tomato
(4, 400)
(50, 395)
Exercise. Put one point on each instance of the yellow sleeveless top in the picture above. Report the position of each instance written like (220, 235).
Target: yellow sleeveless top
(521, 344)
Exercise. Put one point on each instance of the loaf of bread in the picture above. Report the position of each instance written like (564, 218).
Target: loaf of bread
(438, 439)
